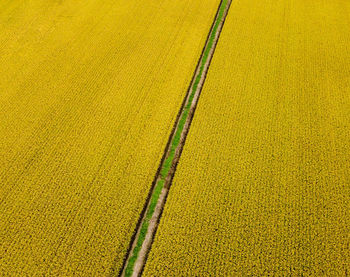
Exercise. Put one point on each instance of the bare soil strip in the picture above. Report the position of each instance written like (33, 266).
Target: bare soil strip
(147, 226)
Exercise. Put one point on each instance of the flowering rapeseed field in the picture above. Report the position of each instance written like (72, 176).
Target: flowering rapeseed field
(263, 184)
(89, 93)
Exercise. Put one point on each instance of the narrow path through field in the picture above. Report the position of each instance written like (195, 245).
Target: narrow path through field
(147, 227)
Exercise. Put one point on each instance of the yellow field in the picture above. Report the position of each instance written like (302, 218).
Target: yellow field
(262, 187)
(89, 93)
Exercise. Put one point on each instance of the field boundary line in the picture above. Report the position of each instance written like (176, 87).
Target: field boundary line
(146, 228)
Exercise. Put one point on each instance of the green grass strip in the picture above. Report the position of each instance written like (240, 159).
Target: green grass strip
(173, 145)
(142, 235)
(177, 137)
